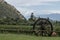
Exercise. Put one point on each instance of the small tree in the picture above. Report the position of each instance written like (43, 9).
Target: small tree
(32, 19)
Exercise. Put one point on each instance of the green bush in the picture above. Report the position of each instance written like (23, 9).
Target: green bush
(58, 31)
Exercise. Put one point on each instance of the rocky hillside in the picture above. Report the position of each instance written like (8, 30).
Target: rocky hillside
(7, 10)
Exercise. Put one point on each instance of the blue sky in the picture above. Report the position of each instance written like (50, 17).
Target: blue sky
(38, 7)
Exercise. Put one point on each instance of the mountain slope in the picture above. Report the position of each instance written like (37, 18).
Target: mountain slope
(53, 16)
(7, 10)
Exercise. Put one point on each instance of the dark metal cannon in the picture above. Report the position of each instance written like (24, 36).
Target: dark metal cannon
(43, 27)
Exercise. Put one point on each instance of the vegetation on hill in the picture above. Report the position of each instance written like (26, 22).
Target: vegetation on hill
(9, 14)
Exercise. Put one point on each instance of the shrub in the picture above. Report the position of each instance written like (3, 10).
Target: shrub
(58, 30)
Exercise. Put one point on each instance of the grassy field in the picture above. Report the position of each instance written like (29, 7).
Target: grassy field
(11, 36)
(25, 37)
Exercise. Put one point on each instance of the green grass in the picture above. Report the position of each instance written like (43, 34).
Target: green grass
(25, 37)
(22, 27)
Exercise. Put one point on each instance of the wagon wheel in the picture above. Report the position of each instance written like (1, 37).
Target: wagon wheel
(43, 27)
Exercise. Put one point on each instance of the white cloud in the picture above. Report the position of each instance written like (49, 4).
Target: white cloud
(51, 11)
(29, 2)
(26, 12)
